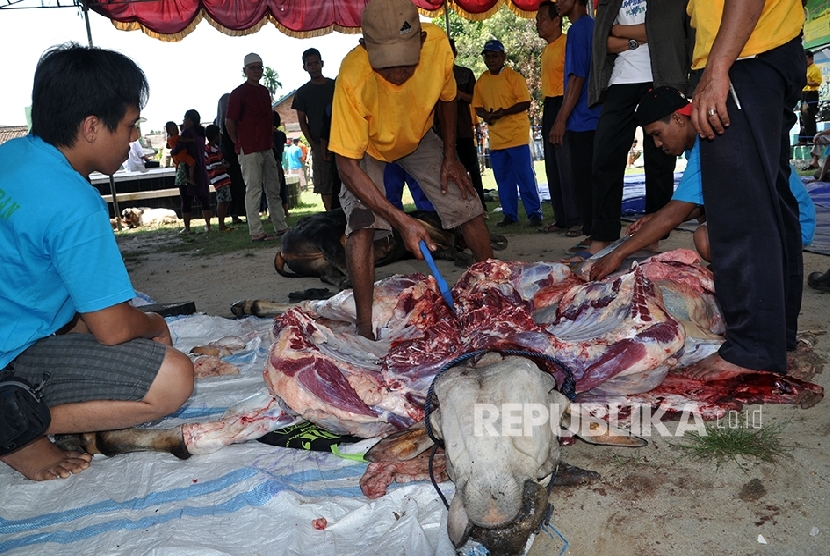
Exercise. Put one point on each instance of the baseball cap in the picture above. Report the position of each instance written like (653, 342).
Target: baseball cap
(392, 33)
(661, 102)
(493, 46)
(252, 58)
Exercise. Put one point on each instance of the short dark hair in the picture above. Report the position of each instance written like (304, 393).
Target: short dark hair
(551, 7)
(808, 53)
(311, 52)
(277, 119)
(212, 131)
(73, 82)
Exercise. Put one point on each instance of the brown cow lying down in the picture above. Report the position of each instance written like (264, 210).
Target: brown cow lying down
(316, 246)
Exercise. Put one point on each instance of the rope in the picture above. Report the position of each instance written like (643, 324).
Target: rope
(567, 389)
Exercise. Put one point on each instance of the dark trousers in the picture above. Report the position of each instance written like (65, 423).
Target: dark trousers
(581, 147)
(615, 135)
(558, 170)
(237, 186)
(808, 117)
(468, 155)
(754, 231)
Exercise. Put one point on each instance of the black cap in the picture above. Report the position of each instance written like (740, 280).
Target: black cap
(661, 102)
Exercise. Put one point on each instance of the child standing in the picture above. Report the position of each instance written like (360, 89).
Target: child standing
(217, 170)
(185, 165)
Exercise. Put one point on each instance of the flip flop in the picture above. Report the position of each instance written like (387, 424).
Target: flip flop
(263, 237)
(581, 246)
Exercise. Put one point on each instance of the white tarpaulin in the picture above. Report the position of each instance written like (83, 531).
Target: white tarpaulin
(244, 499)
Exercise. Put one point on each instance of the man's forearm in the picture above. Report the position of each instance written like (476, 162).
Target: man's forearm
(230, 126)
(303, 120)
(571, 97)
(447, 122)
(122, 322)
(664, 221)
(359, 183)
(738, 22)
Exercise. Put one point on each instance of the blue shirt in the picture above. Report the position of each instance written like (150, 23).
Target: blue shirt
(578, 63)
(294, 156)
(690, 190)
(58, 254)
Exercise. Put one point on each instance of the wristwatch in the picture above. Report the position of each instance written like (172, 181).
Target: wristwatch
(633, 44)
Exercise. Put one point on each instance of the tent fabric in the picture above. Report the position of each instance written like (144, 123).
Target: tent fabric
(172, 20)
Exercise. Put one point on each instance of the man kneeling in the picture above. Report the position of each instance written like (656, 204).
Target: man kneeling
(64, 291)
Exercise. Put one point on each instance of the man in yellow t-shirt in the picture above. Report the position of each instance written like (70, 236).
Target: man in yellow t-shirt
(809, 100)
(753, 70)
(383, 106)
(501, 99)
(557, 157)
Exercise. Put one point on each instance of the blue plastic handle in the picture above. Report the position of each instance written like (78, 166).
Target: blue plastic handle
(442, 284)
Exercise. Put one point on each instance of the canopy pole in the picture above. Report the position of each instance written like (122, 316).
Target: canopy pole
(447, 17)
(85, 7)
(115, 204)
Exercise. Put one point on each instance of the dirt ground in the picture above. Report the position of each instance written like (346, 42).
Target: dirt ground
(651, 500)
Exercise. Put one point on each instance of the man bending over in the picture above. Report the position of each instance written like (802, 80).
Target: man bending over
(384, 99)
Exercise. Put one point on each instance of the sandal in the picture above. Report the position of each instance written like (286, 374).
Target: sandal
(551, 229)
(263, 237)
(583, 245)
(574, 231)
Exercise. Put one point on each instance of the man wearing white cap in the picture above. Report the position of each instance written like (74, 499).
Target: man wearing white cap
(383, 109)
(249, 123)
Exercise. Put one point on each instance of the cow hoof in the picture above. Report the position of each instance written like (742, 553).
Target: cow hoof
(498, 242)
(570, 475)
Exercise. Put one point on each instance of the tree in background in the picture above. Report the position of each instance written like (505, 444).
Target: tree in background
(271, 80)
(523, 45)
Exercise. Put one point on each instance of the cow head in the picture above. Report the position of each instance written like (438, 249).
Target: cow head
(499, 418)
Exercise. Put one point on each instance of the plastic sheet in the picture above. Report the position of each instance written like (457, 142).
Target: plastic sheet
(244, 499)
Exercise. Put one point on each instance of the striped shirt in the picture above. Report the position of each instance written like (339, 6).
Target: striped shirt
(215, 164)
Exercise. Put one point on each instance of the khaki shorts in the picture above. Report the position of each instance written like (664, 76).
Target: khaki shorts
(424, 164)
(322, 170)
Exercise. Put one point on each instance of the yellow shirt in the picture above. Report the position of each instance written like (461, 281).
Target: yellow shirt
(780, 22)
(503, 91)
(553, 68)
(371, 115)
(813, 76)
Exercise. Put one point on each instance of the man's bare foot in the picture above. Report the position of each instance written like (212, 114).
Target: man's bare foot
(366, 330)
(714, 367)
(42, 461)
(597, 246)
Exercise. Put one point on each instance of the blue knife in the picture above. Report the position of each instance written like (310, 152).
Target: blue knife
(442, 284)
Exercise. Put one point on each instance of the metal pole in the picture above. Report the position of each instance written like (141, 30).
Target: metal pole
(447, 17)
(85, 4)
(115, 203)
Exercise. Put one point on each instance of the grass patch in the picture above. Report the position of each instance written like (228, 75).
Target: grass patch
(722, 444)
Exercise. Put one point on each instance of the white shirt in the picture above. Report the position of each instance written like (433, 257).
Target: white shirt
(135, 163)
(632, 66)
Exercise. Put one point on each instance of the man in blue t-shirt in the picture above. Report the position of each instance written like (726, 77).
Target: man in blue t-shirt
(575, 122)
(64, 291)
(665, 115)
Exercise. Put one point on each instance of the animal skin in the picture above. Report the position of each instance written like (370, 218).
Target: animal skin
(315, 247)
